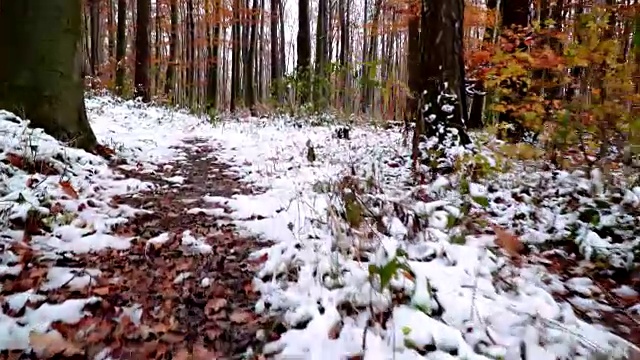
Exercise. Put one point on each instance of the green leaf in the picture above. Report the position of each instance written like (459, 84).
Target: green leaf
(406, 330)
(481, 200)
(451, 221)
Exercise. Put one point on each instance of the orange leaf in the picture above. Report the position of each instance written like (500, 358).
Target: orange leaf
(51, 344)
(68, 189)
(509, 242)
(102, 291)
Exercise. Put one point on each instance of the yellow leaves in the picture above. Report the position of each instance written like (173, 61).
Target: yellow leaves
(520, 151)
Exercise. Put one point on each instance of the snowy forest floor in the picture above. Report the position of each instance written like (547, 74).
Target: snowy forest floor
(198, 241)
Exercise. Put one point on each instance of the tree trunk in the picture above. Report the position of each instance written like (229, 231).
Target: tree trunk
(304, 50)
(515, 13)
(369, 74)
(111, 41)
(213, 53)
(321, 54)
(344, 41)
(414, 69)
(283, 55)
(273, 43)
(143, 51)
(94, 7)
(41, 79)
(170, 82)
(191, 55)
(157, 68)
(121, 46)
(250, 100)
(442, 56)
(260, 56)
(235, 57)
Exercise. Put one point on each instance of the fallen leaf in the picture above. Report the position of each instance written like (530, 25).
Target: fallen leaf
(33, 222)
(182, 354)
(52, 343)
(68, 189)
(56, 209)
(259, 260)
(201, 353)
(15, 160)
(215, 304)
(334, 331)
(213, 334)
(509, 242)
(241, 317)
(408, 275)
(101, 291)
(172, 338)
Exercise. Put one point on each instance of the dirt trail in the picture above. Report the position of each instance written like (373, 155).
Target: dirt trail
(171, 299)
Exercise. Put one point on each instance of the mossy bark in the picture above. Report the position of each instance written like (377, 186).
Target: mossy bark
(40, 67)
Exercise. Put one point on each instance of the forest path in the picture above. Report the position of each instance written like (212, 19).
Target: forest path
(180, 289)
(190, 272)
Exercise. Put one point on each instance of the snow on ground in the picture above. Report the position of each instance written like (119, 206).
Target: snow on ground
(451, 300)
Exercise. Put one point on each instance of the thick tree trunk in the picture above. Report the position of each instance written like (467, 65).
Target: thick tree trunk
(283, 56)
(96, 45)
(321, 54)
(157, 68)
(191, 86)
(41, 79)
(273, 43)
(304, 50)
(169, 85)
(414, 68)
(143, 51)
(235, 57)
(213, 59)
(515, 13)
(250, 88)
(121, 46)
(441, 40)
(111, 41)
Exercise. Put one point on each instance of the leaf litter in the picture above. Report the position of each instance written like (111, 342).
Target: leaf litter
(177, 245)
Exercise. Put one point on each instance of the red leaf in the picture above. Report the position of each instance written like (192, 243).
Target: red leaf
(15, 160)
(259, 260)
(68, 189)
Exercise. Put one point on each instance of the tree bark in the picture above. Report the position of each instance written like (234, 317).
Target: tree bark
(235, 57)
(441, 38)
(321, 54)
(143, 51)
(304, 50)
(250, 94)
(169, 85)
(96, 46)
(121, 46)
(41, 79)
(190, 87)
(213, 60)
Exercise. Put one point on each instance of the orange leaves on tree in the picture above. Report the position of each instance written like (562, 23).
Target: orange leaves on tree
(68, 189)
